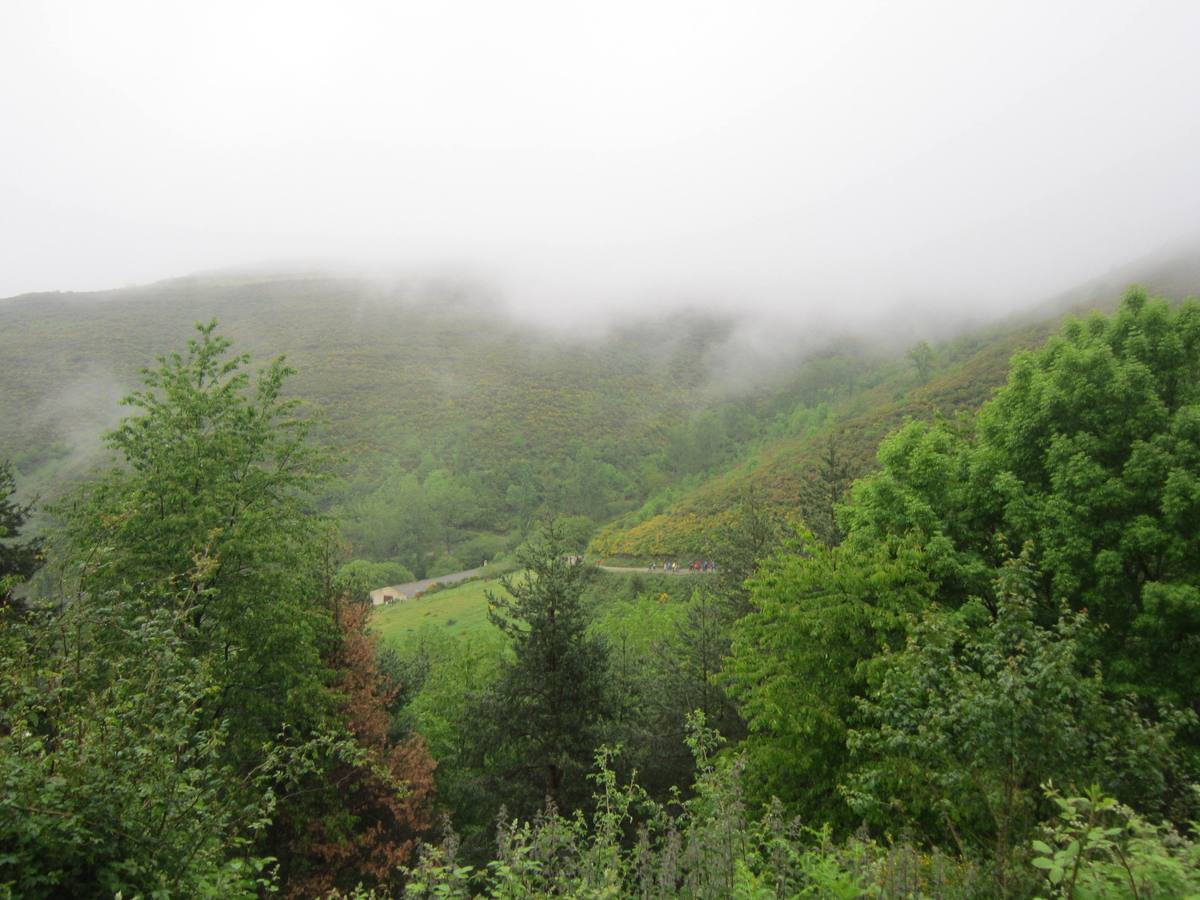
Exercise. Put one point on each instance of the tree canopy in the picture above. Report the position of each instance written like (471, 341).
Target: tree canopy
(167, 718)
(1091, 453)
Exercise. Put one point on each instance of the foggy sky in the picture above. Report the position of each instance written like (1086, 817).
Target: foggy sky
(815, 156)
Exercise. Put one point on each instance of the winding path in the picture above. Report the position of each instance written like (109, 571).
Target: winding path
(414, 589)
(642, 570)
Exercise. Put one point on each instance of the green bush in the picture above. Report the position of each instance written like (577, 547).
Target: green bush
(1096, 847)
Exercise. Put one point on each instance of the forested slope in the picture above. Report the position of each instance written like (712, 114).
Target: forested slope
(382, 365)
(995, 660)
(822, 428)
(836, 443)
(457, 425)
(443, 410)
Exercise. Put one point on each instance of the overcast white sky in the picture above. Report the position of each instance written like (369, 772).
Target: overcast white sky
(814, 154)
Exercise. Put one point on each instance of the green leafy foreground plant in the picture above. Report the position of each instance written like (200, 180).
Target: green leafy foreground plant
(1095, 847)
(112, 778)
(976, 712)
(708, 845)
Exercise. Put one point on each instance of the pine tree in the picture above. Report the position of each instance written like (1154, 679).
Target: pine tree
(753, 531)
(827, 487)
(551, 698)
(18, 561)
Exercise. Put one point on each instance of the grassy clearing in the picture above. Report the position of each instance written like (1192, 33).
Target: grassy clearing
(458, 610)
(461, 610)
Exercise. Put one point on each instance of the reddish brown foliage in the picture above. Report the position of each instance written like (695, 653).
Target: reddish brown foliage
(371, 818)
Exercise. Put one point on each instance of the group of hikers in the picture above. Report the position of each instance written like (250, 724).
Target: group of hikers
(697, 565)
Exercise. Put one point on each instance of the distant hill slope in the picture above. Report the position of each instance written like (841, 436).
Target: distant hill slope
(390, 370)
(785, 471)
(459, 425)
(456, 425)
(782, 472)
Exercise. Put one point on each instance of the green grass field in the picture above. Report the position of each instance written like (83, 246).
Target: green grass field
(455, 610)
(461, 611)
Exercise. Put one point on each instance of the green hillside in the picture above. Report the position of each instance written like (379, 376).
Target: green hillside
(442, 411)
(457, 610)
(785, 471)
(860, 682)
(821, 430)
(382, 365)
(455, 427)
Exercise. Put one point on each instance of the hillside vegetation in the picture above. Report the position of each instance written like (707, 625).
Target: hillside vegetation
(829, 437)
(821, 427)
(453, 425)
(966, 669)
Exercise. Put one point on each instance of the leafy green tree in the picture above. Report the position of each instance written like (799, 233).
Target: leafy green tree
(576, 531)
(550, 699)
(452, 506)
(921, 356)
(115, 778)
(449, 713)
(523, 496)
(358, 577)
(396, 521)
(802, 658)
(974, 714)
(1091, 452)
(203, 686)
(587, 485)
(210, 501)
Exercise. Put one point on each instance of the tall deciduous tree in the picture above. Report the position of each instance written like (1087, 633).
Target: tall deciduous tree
(801, 659)
(1092, 453)
(198, 562)
(115, 777)
(209, 500)
(975, 714)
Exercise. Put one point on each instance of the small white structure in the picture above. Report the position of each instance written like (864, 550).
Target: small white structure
(383, 595)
